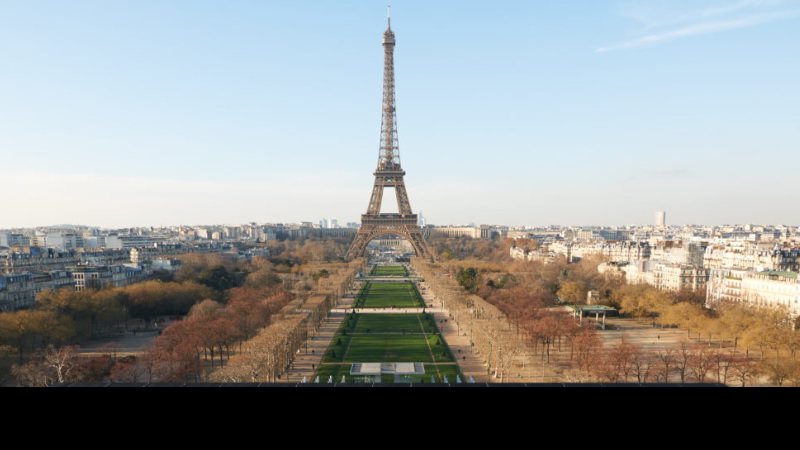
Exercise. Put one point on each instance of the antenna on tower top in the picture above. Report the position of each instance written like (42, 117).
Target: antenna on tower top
(389, 13)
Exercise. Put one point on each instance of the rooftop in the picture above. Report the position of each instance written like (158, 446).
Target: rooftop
(778, 274)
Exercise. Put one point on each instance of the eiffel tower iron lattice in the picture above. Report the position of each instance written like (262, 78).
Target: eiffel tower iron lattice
(389, 174)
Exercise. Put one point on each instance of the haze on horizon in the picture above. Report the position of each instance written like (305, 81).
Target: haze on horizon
(138, 113)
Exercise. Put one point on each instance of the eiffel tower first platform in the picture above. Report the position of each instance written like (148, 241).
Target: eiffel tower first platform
(389, 174)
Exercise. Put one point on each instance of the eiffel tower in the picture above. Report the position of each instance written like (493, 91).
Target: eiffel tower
(389, 174)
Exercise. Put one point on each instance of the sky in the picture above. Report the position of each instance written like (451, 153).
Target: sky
(164, 112)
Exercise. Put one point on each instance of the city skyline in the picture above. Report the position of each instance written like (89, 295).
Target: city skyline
(341, 224)
(221, 114)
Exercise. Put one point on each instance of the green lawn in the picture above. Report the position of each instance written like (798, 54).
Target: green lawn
(389, 271)
(389, 348)
(388, 338)
(388, 295)
(393, 323)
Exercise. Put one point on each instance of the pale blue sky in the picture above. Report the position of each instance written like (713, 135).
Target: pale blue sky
(145, 112)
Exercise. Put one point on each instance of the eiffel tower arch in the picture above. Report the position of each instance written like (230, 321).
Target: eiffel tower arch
(389, 174)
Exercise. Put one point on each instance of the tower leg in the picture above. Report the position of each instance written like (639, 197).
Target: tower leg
(367, 233)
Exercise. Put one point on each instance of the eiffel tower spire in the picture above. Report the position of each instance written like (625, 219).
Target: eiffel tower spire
(390, 147)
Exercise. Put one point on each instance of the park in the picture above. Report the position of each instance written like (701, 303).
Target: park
(402, 336)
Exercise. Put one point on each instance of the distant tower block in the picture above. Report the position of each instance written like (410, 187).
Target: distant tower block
(661, 219)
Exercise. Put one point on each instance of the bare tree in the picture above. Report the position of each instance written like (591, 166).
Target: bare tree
(781, 370)
(720, 365)
(666, 359)
(508, 349)
(61, 360)
(128, 369)
(744, 369)
(587, 344)
(32, 374)
(701, 362)
(642, 364)
(683, 357)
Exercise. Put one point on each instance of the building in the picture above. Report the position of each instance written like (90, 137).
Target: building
(92, 242)
(678, 277)
(231, 232)
(489, 233)
(679, 252)
(64, 240)
(261, 252)
(520, 234)
(765, 289)
(661, 219)
(772, 289)
(332, 232)
(169, 265)
(751, 256)
(39, 239)
(118, 242)
(481, 232)
(724, 285)
(662, 275)
(613, 251)
(541, 254)
(17, 291)
(53, 280)
(124, 275)
(637, 272)
(92, 277)
(611, 234)
(136, 257)
(12, 240)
